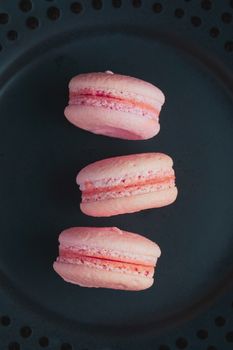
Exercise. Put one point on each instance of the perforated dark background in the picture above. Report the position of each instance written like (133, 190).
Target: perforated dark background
(206, 24)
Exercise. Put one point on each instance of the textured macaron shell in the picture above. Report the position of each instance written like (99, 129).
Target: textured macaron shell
(130, 165)
(106, 257)
(127, 184)
(113, 123)
(88, 277)
(122, 83)
(110, 240)
(114, 105)
(131, 204)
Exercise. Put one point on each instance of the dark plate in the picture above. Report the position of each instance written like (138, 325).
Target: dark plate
(41, 153)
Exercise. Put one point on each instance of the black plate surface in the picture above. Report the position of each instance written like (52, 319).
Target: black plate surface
(41, 154)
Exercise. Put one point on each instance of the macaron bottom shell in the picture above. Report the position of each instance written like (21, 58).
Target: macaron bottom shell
(112, 123)
(86, 276)
(131, 204)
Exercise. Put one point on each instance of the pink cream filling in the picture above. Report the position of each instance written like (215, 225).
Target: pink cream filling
(96, 98)
(92, 193)
(104, 263)
(74, 251)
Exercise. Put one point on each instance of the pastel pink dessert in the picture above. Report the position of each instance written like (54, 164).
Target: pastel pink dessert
(106, 257)
(114, 105)
(127, 184)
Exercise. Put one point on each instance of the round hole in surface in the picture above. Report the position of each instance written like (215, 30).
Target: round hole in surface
(25, 5)
(179, 13)
(116, 3)
(164, 347)
(220, 321)
(202, 334)
(229, 337)
(229, 46)
(4, 18)
(136, 3)
(181, 343)
(66, 346)
(97, 4)
(14, 346)
(211, 347)
(44, 342)
(5, 320)
(226, 17)
(12, 35)
(157, 7)
(53, 13)
(206, 4)
(214, 32)
(32, 22)
(196, 21)
(76, 7)
(25, 332)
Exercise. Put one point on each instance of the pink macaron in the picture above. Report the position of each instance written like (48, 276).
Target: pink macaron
(106, 257)
(114, 105)
(127, 184)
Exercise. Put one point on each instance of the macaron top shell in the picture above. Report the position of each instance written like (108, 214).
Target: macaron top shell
(130, 165)
(109, 239)
(118, 82)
